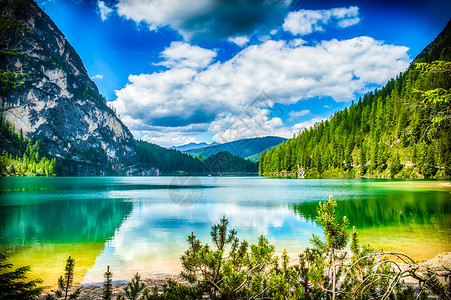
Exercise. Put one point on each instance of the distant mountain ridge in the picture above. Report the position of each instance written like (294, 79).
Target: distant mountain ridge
(192, 146)
(243, 148)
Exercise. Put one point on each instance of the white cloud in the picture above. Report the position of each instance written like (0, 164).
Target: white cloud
(158, 95)
(98, 76)
(104, 10)
(206, 19)
(304, 22)
(288, 72)
(184, 55)
(297, 114)
(239, 40)
(162, 13)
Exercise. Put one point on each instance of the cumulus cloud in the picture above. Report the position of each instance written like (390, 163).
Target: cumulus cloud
(206, 19)
(304, 22)
(288, 72)
(184, 55)
(104, 10)
(160, 99)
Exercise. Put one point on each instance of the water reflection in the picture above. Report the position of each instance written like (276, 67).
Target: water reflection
(389, 209)
(153, 237)
(64, 221)
(133, 225)
(413, 222)
(43, 224)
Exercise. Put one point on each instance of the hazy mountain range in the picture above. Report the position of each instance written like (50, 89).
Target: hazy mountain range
(245, 148)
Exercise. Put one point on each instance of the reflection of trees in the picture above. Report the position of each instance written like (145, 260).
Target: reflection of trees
(392, 209)
(62, 221)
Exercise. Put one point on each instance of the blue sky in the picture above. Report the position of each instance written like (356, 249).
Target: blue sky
(180, 71)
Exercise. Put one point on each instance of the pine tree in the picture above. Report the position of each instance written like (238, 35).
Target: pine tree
(134, 287)
(13, 285)
(107, 286)
(65, 283)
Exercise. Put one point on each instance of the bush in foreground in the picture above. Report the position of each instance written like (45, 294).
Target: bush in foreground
(13, 284)
(234, 270)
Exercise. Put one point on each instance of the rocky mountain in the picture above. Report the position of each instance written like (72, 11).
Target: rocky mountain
(47, 94)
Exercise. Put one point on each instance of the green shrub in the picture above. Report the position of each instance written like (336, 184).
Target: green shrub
(134, 287)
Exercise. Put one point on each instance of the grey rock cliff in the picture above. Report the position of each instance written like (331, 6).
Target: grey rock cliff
(47, 93)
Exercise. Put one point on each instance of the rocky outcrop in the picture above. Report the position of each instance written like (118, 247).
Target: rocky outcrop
(47, 94)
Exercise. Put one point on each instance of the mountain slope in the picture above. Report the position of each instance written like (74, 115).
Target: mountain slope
(242, 148)
(226, 162)
(47, 94)
(256, 157)
(401, 130)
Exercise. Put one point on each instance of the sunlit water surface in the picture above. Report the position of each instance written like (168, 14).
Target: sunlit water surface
(140, 224)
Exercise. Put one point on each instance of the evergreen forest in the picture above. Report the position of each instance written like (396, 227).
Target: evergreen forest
(399, 131)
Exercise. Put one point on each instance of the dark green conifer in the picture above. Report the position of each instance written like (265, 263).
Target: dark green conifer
(134, 287)
(107, 286)
(13, 284)
(65, 283)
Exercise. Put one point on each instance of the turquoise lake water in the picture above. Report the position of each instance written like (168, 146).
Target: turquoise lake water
(140, 224)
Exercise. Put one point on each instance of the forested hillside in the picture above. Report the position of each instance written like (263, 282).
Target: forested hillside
(175, 162)
(401, 130)
(226, 162)
(166, 160)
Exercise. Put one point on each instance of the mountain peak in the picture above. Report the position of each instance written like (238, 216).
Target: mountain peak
(439, 49)
(49, 96)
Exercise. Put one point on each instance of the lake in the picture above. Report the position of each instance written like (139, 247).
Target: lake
(140, 224)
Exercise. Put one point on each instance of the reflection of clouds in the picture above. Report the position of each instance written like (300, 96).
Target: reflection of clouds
(261, 219)
(165, 227)
(153, 237)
